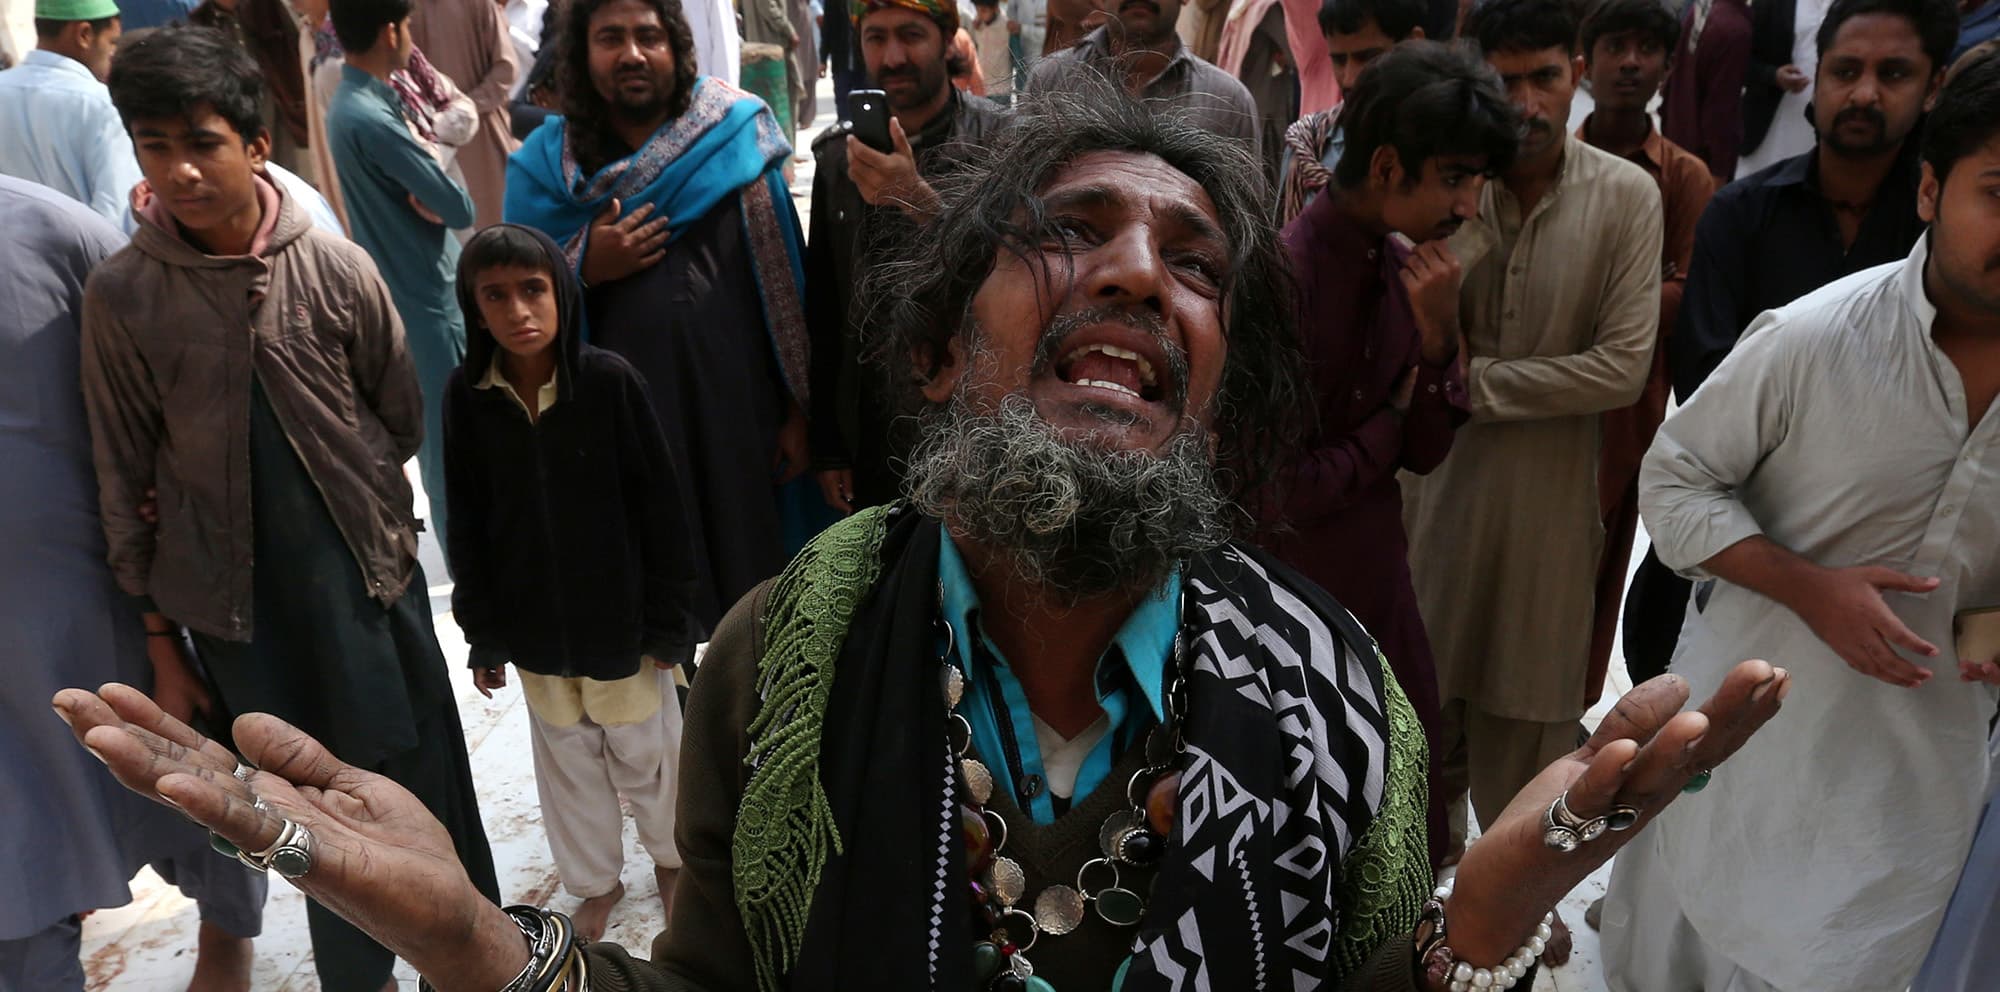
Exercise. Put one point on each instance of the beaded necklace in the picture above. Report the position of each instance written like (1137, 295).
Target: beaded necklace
(1134, 836)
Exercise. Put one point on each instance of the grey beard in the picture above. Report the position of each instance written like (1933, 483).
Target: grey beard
(1073, 519)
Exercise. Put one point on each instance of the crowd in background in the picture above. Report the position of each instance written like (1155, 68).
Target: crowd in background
(1560, 271)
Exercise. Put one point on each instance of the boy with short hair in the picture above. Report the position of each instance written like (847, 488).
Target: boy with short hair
(252, 372)
(570, 553)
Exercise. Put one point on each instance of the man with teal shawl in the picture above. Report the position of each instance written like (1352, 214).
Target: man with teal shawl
(664, 189)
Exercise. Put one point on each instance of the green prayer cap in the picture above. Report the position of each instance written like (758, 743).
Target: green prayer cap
(75, 10)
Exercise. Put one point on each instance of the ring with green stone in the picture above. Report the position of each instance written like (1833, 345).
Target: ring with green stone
(1698, 782)
(223, 847)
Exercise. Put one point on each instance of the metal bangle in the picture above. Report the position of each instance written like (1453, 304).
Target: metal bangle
(555, 959)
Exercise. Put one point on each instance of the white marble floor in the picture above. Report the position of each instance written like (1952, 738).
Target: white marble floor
(148, 944)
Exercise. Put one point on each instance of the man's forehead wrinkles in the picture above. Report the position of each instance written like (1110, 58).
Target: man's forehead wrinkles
(1172, 206)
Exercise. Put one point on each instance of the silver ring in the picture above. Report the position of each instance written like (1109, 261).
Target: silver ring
(243, 772)
(1589, 830)
(1563, 830)
(294, 858)
(1622, 817)
(291, 854)
(257, 803)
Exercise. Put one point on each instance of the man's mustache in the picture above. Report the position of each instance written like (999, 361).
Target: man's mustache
(1872, 115)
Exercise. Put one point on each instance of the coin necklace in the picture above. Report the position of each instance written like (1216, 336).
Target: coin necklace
(1134, 836)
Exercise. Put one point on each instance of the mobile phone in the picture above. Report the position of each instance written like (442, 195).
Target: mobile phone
(868, 118)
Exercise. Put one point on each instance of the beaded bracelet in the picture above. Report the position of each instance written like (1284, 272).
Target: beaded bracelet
(1441, 967)
(556, 962)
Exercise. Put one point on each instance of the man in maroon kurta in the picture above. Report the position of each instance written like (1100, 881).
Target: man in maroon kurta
(1625, 45)
(1701, 108)
(1379, 321)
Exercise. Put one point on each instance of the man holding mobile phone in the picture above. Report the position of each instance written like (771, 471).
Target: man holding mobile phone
(919, 125)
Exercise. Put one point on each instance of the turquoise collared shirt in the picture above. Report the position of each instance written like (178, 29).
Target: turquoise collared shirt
(1137, 657)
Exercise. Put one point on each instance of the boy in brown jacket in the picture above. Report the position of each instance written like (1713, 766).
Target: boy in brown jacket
(248, 376)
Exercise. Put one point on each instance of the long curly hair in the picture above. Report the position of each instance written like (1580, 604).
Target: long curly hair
(919, 290)
(585, 110)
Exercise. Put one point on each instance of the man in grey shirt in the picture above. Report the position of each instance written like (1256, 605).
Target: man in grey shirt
(1836, 479)
(1139, 49)
(74, 838)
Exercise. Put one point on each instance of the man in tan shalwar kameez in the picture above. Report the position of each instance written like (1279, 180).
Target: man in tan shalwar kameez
(467, 40)
(1560, 309)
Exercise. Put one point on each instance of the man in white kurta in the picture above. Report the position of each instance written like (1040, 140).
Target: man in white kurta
(1836, 438)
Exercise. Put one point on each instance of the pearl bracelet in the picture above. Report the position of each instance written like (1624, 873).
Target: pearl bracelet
(1438, 964)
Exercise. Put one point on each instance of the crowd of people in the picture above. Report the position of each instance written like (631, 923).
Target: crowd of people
(1159, 522)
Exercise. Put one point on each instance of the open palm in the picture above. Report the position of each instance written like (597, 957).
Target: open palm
(380, 859)
(1643, 753)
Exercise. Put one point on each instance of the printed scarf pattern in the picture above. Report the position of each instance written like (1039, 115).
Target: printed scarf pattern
(1305, 143)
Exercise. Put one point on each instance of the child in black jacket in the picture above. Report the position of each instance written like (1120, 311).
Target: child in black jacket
(569, 550)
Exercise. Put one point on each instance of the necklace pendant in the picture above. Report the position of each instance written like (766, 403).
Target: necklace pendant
(953, 684)
(978, 780)
(986, 963)
(1115, 826)
(1006, 880)
(1139, 847)
(979, 846)
(1120, 907)
(1059, 910)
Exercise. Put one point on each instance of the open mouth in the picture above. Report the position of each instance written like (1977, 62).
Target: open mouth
(1106, 366)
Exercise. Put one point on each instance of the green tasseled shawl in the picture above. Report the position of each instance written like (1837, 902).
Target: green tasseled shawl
(785, 829)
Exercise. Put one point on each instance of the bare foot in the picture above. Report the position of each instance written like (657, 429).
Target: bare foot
(1560, 944)
(594, 915)
(666, 878)
(221, 962)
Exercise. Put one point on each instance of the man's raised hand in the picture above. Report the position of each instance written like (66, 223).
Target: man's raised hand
(1431, 276)
(380, 859)
(1645, 750)
(891, 179)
